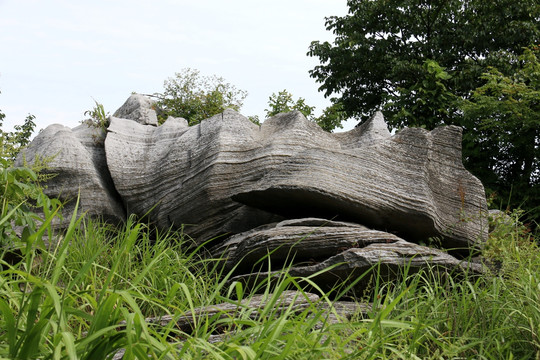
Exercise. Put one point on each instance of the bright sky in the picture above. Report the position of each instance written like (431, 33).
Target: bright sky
(56, 56)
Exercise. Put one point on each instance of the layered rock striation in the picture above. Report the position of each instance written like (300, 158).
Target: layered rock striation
(227, 175)
(76, 160)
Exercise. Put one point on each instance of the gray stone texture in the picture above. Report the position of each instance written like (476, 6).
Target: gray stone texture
(138, 108)
(80, 168)
(357, 266)
(228, 175)
(286, 188)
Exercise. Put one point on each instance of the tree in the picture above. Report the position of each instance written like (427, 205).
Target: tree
(332, 117)
(283, 101)
(381, 48)
(427, 103)
(194, 97)
(507, 111)
(12, 142)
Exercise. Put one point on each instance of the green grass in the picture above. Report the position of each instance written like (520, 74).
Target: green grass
(88, 296)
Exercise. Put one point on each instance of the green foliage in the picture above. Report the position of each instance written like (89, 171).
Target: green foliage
(93, 300)
(194, 97)
(427, 103)
(21, 195)
(507, 110)
(381, 46)
(98, 117)
(283, 101)
(332, 117)
(254, 119)
(11, 143)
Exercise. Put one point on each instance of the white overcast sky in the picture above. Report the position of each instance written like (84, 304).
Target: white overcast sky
(56, 56)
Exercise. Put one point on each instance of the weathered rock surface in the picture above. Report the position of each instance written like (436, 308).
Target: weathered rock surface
(412, 183)
(269, 190)
(78, 160)
(298, 240)
(358, 264)
(183, 174)
(138, 108)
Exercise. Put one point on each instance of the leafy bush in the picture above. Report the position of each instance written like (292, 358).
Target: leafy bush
(98, 117)
(194, 97)
(11, 143)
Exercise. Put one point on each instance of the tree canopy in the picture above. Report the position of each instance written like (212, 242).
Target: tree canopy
(506, 110)
(331, 117)
(11, 142)
(381, 47)
(284, 102)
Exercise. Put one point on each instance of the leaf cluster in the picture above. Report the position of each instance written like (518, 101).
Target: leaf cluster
(506, 110)
(381, 46)
(21, 196)
(12, 142)
(98, 117)
(427, 103)
(194, 97)
(283, 101)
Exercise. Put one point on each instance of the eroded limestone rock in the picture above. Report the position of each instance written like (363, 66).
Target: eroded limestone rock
(80, 169)
(298, 240)
(138, 108)
(356, 266)
(228, 175)
(286, 190)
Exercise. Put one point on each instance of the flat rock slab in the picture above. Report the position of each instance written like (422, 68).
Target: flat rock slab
(294, 241)
(389, 260)
(228, 175)
(291, 301)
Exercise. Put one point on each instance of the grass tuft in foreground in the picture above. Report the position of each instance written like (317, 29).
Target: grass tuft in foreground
(90, 295)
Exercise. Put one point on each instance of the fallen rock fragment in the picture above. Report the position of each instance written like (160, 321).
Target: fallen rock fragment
(297, 240)
(140, 109)
(389, 260)
(289, 301)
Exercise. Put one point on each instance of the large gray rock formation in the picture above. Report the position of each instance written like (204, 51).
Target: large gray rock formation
(227, 175)
(285, 188)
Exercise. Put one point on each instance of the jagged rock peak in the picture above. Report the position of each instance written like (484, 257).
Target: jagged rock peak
(139, 108)
(372, 132)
